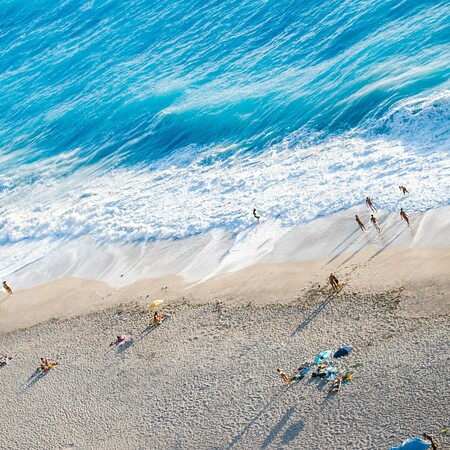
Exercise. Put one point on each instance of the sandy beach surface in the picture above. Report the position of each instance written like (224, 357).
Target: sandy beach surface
(207, 378)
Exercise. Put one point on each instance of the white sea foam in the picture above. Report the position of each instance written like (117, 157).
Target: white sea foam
(291, 182)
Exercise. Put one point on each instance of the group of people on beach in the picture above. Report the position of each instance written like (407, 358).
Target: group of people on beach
(324, 370)
(47, 364)
(374, 220)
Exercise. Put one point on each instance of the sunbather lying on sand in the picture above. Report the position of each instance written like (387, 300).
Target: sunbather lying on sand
(120, 340)
(47, 364)
(320, 371)
(158, 318)
(337, 385)
(431, 440)
(347, 376)
(5, 360)
(300, 372)
(285, 378)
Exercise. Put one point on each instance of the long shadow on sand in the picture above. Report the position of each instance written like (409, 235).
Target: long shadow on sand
(318, 381)
(292, 432)
(4, 299)
(152, 327)
(340, 252)
(34, 378)
(314, 314)
(249, 424)
(123, 348)
(278, 427)
(385, 246)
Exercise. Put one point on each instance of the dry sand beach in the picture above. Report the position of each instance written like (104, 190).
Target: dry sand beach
(207, 378)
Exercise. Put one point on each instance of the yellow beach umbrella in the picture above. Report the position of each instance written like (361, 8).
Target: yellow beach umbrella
(154, 304)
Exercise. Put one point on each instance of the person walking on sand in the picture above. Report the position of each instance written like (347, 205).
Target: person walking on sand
(256, 215)
(361, 225)
(284, 377)
(404, 216)
(374, 220)
(370, 205)
(7, 288)
(403, 189)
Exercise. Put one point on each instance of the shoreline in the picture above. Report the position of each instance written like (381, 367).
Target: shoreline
(424, 275)
(217, 252)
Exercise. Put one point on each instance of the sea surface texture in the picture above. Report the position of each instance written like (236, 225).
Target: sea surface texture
(135, 120)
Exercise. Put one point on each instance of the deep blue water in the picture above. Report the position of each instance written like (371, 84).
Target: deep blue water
(93, 77)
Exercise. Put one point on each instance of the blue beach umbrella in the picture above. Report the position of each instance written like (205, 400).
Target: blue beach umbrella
(343, 351)
(413, 444)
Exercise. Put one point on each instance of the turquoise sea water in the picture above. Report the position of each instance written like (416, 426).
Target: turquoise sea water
(148, 120)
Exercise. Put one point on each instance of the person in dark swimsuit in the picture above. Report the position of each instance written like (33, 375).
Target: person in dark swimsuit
(404, 216)
(361, 225)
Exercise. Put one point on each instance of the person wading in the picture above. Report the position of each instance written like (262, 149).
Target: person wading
(404, 216)
(370, 204)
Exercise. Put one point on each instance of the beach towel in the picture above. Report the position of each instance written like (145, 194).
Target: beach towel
(331, 373)
(123, 339)
(322, 356)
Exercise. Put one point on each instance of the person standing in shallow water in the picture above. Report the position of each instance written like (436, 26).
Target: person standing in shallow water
(403, 189)
(256, 215)
(361, 225)
(404, 216)
(370, 204)
(374, 220)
